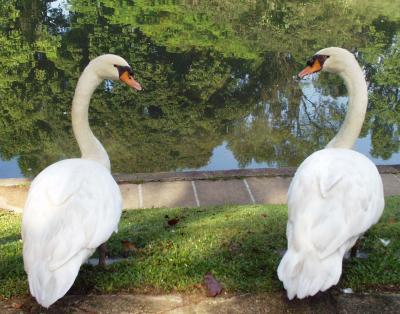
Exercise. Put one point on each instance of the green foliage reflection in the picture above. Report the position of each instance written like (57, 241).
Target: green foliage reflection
(213, 72)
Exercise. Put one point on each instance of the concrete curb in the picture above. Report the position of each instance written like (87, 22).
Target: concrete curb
(196, 188)
(222, 174)
(201, 175)
(15, 181)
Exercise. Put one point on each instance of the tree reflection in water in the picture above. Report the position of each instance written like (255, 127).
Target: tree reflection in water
(215, 72)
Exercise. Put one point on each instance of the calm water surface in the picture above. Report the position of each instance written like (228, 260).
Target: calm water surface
(218, 77)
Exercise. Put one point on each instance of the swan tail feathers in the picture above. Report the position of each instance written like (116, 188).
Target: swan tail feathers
(47, 285)
(304, 274)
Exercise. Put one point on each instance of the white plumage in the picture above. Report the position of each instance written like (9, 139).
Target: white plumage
(334, 197)
(74, 205)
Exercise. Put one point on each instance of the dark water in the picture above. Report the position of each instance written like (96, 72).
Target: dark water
(218, 77)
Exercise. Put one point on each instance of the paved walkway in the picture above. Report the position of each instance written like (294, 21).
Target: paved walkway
(274, 303)
(198, 188)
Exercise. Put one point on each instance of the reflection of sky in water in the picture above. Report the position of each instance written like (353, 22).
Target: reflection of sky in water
(222, 157)
(60, 4)
(10, 169)
(363, 145)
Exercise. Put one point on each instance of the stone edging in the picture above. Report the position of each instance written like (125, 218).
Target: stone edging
(15, 181)
(204, 175)
(222, 174)
(200, 175)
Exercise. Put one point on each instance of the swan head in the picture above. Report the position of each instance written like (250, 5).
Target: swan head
(332, 59)
(113, 67)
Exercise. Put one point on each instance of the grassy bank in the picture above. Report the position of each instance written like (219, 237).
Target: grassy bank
(240, 245)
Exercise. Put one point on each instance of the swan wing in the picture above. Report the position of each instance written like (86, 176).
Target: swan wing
(73, 205)
(335, 196)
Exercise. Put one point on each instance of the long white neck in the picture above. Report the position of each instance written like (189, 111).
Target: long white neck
(89, 145)
(357, 107)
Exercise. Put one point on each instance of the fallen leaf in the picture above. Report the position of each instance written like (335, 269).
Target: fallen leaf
(392, 221)
(17, 305)
(234, 247)
(128, 247)
(212, 285)
(264, 215)
(173, 221)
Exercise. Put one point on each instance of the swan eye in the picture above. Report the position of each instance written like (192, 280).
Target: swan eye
(311, 61)
(124, 69)
(320, 58)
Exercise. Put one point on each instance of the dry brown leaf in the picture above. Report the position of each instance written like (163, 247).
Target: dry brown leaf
(128, 247)
(234, 247)
(213, 287)
(17, 305)
(173, 221)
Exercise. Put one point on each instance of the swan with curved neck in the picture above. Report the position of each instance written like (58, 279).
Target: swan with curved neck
(74, 205)
(343, 63)
(336, 194)
(106, 67)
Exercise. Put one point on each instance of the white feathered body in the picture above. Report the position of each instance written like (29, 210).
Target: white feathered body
(73, 207)
(334, 197)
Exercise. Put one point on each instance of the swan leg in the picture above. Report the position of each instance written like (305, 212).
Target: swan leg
(102, 255)
(354, 250)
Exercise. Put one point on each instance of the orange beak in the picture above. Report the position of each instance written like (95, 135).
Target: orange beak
(128, 80)
(315, 67)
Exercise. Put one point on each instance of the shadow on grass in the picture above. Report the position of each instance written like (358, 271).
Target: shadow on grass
(240, 245)
(236, 243)
(9, 238)
(12, 274)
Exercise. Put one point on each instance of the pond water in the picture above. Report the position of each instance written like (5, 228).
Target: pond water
(218, 76)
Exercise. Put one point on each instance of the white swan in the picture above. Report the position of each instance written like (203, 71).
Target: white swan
(335, 195)
(74, 205)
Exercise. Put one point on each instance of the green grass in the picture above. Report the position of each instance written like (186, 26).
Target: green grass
(240, 245)
(12, 276)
